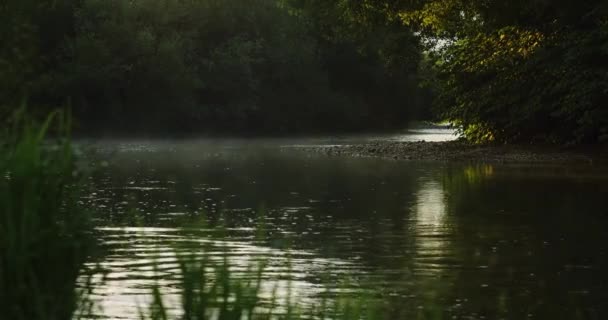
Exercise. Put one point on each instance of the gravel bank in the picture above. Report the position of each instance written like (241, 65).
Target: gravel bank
(459, 151)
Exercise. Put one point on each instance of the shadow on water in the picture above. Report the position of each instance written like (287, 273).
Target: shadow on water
(435, 240)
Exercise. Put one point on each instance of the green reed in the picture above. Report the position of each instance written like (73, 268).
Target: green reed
(211, 289)
(45, 233)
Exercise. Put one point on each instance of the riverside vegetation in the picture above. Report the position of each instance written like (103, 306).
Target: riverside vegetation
(45, 234)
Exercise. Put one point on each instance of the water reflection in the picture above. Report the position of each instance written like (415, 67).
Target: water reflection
(430, 229)
(430, 205)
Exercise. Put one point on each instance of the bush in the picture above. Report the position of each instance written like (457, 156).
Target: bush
(522, 86)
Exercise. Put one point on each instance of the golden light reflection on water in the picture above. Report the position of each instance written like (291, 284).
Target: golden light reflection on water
(474, 174)
(431, 230)
(430, 207)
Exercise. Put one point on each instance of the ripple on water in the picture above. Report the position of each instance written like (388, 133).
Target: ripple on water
(142, 257)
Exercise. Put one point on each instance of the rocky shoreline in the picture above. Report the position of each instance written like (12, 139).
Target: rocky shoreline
(462, 151)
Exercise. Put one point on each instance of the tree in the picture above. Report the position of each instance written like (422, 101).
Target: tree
(516, 71)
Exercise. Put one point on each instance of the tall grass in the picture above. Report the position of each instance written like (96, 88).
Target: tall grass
(210, 290)
(45, 234)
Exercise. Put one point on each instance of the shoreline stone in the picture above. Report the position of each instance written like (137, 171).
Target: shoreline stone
(461, 151)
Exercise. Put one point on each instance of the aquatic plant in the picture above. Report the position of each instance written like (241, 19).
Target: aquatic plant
(45, 233)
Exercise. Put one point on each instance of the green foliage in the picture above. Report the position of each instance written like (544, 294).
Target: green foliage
(529, 85)
(368, 57)
(204, 65)
(31, 33)
(45, 234)
(517, 71)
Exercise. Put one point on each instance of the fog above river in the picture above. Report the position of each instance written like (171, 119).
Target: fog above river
(432, 134)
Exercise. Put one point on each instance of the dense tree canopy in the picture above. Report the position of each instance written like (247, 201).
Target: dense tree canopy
(509, 71)
(193, 66)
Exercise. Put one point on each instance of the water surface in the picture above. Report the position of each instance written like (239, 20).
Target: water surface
(433, 240)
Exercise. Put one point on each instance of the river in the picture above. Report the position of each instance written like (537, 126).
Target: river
(433, 240)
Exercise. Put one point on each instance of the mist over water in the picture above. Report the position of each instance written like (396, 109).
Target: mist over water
(460, 241)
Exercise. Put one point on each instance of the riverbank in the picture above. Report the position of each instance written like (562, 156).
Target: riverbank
(462, 151)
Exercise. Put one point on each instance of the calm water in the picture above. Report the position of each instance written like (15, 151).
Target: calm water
(436, 241)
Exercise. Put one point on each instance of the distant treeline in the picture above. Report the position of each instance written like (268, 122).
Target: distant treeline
(199, 66)
(521, 71)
